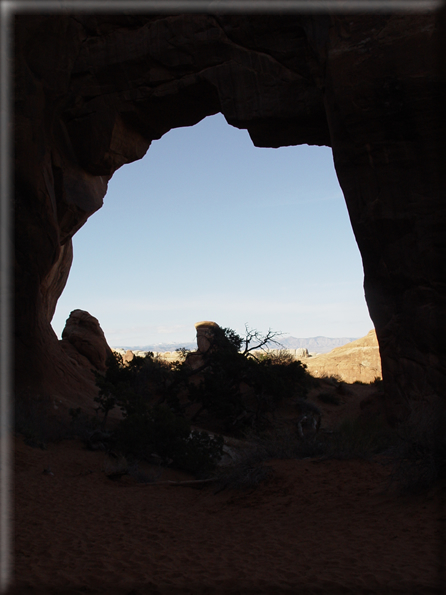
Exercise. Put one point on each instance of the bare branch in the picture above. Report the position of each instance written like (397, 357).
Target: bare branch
(262, 340)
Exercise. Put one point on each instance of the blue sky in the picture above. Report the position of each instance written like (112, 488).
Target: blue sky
(208, 227)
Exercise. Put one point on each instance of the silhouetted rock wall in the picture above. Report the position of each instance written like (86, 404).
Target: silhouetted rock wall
(92, 92)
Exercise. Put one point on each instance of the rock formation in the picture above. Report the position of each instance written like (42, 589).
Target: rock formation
(69, 378)
(83, 350)
(92, 91)
(205, 334)
(83, 336)
(356, 361)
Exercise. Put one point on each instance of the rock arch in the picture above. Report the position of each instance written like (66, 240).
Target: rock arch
(92, 92)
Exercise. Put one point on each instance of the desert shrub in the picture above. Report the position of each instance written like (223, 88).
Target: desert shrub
(134, 386)
(281, 356)
(182, 353)
(148, 394)
(82, 424)
(158, 430)
(249, 470)
(333, 379)
(115, 465)
(418, 459)
(149, 428)
(40, 424)
(246, 472)
(218, 390)
(329, 398)
(240, 389)
(351, 439)
(199, 454)
(35, 419)
(282, 379)
(141, 476)
(360, 438)
(283, 442)
(114, 386)
(226, 340)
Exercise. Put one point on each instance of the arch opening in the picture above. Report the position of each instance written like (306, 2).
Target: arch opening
(207, 226)
(86, 107)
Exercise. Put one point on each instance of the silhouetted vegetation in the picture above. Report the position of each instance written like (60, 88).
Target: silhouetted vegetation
(246, 472)
(418, 460)
(148, 428)
(36, 420)
(330, 398)
(159, 431)
(359, 438)
(232, 384)
(240, 388)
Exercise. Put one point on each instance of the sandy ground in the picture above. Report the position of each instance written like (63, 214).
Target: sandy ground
(315, 527)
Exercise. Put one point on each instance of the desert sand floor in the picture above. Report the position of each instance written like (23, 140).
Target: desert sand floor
(316, 527)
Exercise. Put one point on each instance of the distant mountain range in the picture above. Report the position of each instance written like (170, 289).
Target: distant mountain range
(316, 344)
(313, 344)
(160, 347)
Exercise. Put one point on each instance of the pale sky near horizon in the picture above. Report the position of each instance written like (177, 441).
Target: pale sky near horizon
(208, 227)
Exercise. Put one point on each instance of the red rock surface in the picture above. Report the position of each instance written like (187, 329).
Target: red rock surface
(353, 362)
(92, 92)
(83, 332)
(316, 528)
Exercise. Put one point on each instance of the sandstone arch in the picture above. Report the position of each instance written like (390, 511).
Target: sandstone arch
(92, 92)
